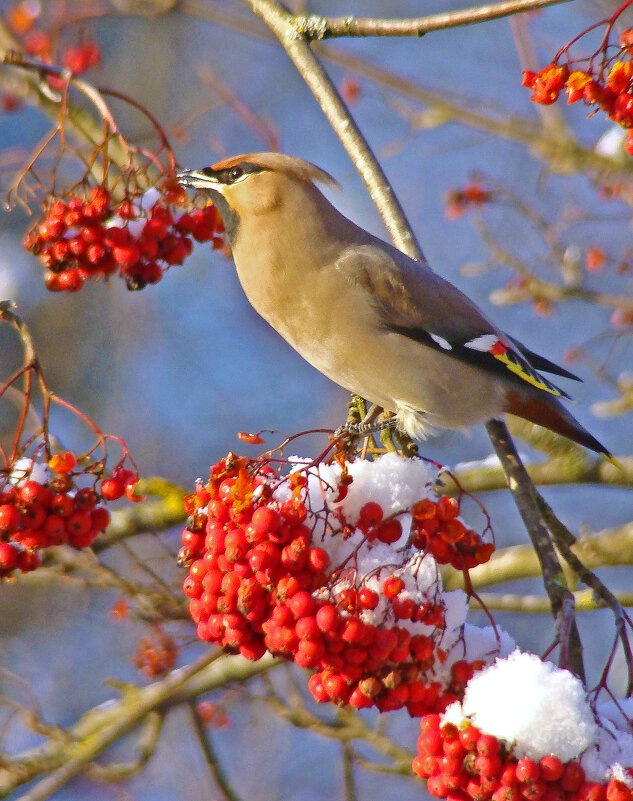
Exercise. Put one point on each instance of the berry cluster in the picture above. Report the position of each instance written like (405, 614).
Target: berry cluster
(458, 201)
(41, 506)
(262, 579)
(156, 654)
(121, 482)
(437, 530)
(139, 238)
(609, 89)
(212, 715)
(22, 18)
(464, 764)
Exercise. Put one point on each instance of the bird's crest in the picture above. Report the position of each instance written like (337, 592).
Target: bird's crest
(280, 162)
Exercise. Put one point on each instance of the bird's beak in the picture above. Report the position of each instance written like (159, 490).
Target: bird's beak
(196, 179)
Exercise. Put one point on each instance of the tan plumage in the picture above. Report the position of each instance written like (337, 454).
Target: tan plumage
(366, 315)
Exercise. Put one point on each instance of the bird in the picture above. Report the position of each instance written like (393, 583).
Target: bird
(371, 318)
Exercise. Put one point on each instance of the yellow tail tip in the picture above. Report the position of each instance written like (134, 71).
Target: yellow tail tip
(612, 460)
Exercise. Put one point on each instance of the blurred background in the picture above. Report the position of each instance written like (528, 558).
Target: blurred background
(178, 368)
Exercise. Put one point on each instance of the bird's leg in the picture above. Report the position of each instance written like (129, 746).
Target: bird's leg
(368, 425)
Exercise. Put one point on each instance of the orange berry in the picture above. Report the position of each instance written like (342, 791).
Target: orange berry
(62, 462)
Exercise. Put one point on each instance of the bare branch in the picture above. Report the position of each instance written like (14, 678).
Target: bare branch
(315, 27)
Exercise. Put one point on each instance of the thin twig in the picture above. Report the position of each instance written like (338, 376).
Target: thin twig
(315, 27)
(215, 766)
(564, 541)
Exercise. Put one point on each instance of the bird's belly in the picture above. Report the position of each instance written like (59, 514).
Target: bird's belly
(342, 338)
(403, 376)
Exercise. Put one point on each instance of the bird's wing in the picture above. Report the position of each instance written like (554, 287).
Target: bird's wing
(413, 301)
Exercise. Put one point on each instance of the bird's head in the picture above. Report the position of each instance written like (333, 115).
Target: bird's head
(254, 184)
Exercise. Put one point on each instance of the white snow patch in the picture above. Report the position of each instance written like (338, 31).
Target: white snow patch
(27, 469)
(611, 143)
(613, 752)
(534, 706)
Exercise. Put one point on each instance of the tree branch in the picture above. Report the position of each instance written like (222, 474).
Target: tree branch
(315, 27)
(525, 498)
(99, 727)
(280, 23)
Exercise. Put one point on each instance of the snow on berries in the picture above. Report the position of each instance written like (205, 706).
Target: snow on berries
(329, 567)
(91, 234)
(41, 505)
(525, 730)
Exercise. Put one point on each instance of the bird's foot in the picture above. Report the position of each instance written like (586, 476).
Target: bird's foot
(363, 429)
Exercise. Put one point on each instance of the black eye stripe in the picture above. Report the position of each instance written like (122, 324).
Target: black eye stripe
(231, 174)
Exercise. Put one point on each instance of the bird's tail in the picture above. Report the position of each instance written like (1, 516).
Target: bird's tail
(550, 413)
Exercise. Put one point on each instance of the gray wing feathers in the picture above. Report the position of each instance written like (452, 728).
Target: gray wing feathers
(408, 294)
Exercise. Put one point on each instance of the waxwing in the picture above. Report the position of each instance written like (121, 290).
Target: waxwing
(369, 317)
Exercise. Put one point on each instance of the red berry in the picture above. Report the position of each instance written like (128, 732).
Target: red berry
(111, 489)
(315, 685)
(99, 519)
(368, 599)
(85, 499)
(527, 770)
(392, 587)
(318, 560)
(328, 618)
(32, 492)
(389, 531)
(54, 529)
(592, 791)
(336, 687)
(573, 777)
(8, 558)
(28, 561)
(436, 786)
(488, 745)
(618, 791)
(301, 604)
(551, 768)
(265, 520)
(62, 504)
(9, 518)
(487, 766)
(447, 508)
(370, 514)
(534, 790)
(78, 524)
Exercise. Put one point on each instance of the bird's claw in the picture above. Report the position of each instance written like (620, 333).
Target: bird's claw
(363, 429)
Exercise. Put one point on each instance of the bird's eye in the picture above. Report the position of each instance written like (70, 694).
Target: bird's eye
(236, 173)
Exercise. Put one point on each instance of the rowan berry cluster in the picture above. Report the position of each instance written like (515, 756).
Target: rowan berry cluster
(459, 201)
(41, 506)
(438, 530)
(23, 17)
(90, 236)
(156, 654)
(608, 89)
(464, 764)
(212, 715)
(262, 578)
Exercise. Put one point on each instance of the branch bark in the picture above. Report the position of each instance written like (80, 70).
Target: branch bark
(99, 727)
(315, 27)
(526, 500)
